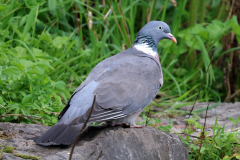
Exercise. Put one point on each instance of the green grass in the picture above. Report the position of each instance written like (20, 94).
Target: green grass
(47, 49)
(220, 144)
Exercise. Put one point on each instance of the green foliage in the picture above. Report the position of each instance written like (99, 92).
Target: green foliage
(8, 149)
(221, 145)
(155, 122)
(26, 86)
(25, 70)
(47, 48)
(235, 121)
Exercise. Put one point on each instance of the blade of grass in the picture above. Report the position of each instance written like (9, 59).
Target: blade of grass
(173, 78)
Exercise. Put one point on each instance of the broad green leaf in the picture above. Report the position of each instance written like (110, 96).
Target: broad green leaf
(39, 52)
(191, 41)
(21, 67)
(26, 99)
(236, 28)
(231, 119)
(226, 157)
(238, 119)
(28, 49)
(35, 71)
(12, 108)
(59, 84)
(26, 63)
(237, 155)
(3, 7)
(58, 99)
(21, 52)
(158, 120)
(204, 35)
(194, 147)
(197, 29)
(45, 66)
(215, 29)
(59, 42)
(203, 149)
(24, 112)
(11, 71)
(45, 37)
(54, 120)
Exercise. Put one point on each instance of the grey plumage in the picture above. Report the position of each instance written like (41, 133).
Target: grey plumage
(124, 84)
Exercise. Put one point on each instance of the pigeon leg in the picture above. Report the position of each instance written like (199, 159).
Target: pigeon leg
(109, 123)
(133, 125)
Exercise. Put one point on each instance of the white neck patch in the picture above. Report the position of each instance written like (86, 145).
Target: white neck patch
(143, 47)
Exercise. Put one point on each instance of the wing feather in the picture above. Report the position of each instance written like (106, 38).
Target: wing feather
(129, 88)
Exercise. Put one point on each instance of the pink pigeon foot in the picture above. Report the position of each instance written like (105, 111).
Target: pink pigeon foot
(108, 124)
(121, 124)
(134, 125)
(114, 124)
(118, 124)
(105, 124)
(137, 126)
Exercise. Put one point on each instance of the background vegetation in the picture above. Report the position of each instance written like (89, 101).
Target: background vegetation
(47, 48)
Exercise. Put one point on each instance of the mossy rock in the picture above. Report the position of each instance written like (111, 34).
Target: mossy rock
(24, 156)
(8, 149)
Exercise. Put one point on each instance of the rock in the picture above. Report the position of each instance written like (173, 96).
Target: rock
(223, 111)
(98, 142)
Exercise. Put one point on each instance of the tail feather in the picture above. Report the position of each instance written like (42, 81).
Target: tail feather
(60, 134)
(68, 136)
(72, 136)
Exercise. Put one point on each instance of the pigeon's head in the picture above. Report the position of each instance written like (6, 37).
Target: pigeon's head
(157, 30)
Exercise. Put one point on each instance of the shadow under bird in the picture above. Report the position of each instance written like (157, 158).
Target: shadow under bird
(124, 85)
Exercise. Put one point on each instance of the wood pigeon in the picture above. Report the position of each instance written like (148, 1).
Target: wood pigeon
(124, 85)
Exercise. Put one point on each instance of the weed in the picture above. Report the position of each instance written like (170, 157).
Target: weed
(8, 149)
(219, 145)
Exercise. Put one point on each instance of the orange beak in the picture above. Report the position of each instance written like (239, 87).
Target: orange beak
(172, 37)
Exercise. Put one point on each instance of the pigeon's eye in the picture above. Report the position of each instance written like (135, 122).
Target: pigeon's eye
(160, 27)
